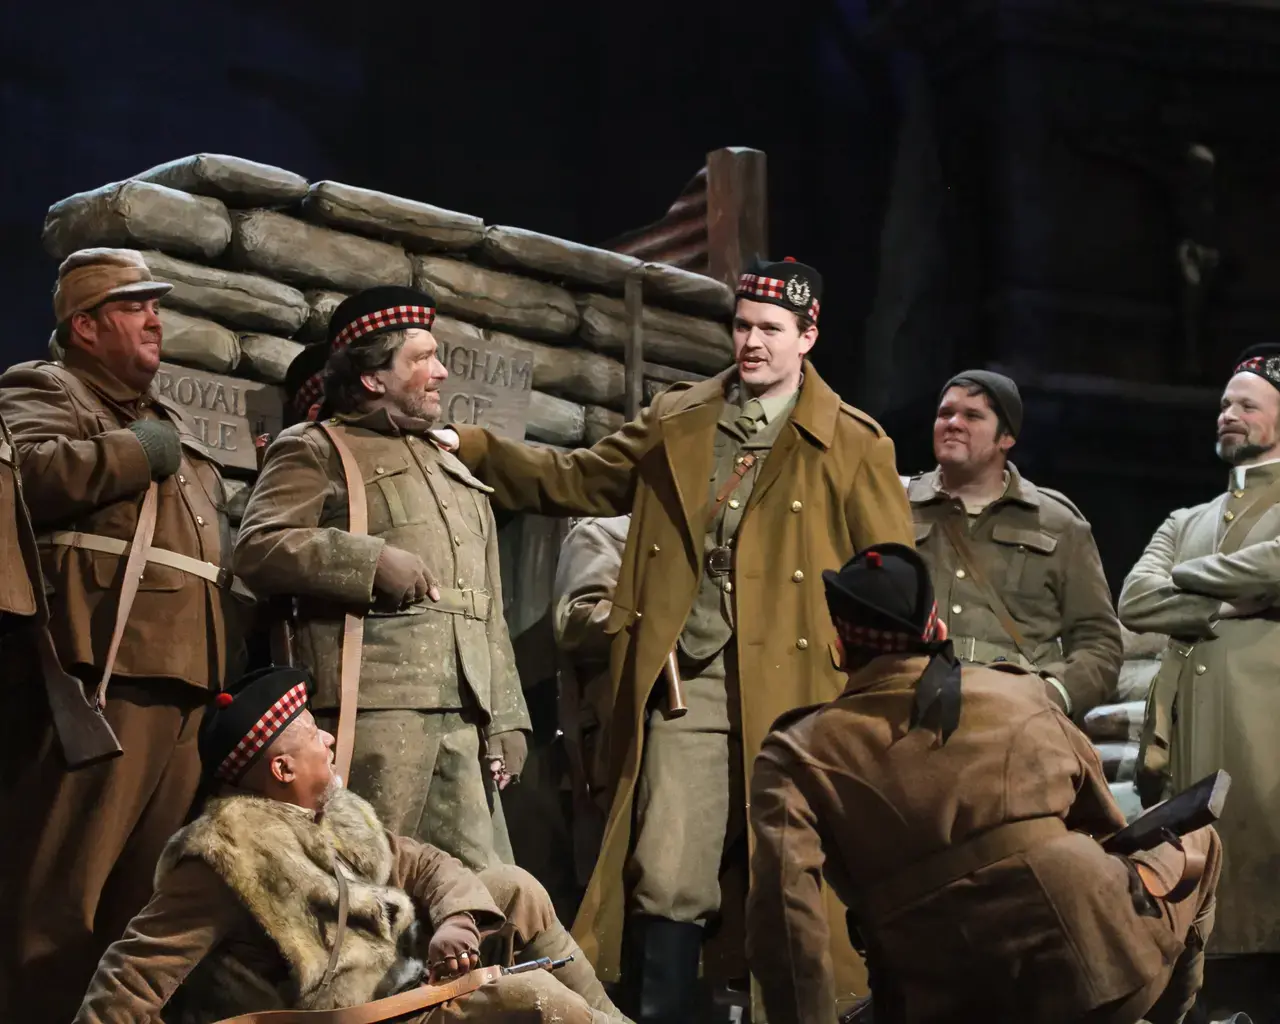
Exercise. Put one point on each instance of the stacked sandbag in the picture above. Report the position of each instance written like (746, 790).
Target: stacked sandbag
(1116, 729)
(259, 258)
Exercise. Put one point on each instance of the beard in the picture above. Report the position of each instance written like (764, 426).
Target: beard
(1235, 450)
(423, 406)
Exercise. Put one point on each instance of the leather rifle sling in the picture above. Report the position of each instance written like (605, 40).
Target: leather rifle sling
(740, 469)
(134, 566)
(955, 533)
(392, 1007)
(353, 625)
(340, 932)
(1233, 538)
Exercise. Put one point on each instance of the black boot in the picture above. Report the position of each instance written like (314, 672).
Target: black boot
(660, 960)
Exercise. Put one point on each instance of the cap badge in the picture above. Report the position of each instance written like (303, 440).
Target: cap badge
(1272, 368)
(798, 291)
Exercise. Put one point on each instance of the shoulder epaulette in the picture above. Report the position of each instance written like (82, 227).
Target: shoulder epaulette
(1062, 499)
(863, 418)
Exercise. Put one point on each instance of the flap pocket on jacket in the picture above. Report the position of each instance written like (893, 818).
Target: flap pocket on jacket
(382, 467)
(460, 473)
(922, 532)
(1031, 540)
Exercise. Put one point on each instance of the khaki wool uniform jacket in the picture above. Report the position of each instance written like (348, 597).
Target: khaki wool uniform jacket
(1038, 553)
(293, 540)
(19, 573)
(83, 471)
(828, 487)
(1226, 678)
(1045, 931)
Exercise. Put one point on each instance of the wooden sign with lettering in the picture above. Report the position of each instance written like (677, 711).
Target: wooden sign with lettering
(490, 380)
(226, 413)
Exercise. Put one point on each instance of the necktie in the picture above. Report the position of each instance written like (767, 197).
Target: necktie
(749, 421)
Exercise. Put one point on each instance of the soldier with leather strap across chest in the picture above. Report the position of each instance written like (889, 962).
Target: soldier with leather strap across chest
(398, 594)
(1015, 566)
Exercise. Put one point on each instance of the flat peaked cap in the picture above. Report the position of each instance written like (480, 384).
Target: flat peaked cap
(89, 277)
(791, 285)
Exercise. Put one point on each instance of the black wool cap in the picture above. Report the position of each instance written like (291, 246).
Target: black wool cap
(304, 381)
(1264, 360)
(1001, 390)
(791, 285)
(883, 588)
(242, 721)
(375, 310)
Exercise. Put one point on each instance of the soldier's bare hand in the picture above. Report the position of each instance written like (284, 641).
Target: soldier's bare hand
(430, 585)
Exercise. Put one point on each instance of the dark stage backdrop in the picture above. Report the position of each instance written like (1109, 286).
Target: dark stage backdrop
(577, 118)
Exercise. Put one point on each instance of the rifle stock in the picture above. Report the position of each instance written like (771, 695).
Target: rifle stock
(83, 732)
(1193, 808)
(676, 707)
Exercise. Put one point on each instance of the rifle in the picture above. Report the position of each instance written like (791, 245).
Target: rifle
(392, 1007)
(1193, 808)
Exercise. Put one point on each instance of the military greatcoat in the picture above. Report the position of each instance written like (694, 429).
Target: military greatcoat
(1224, 675)
(828, 487)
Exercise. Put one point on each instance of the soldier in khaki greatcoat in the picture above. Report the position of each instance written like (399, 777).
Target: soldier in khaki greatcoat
(442, 718)
(92, 437)
(1015, 565)
(741, 489)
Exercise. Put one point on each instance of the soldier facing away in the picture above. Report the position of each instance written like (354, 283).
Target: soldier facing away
(94, 439)
(287, 893)
(741, 489)
(1015, 566)
(1210, 580)
(442, 719)
(957, 812)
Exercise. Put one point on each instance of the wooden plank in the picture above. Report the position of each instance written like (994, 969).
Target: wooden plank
(225, 413)
(737, 211)
(634, 352)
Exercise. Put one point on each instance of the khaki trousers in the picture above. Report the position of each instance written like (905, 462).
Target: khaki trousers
(424, 774)
(690, 799)
(572, 994)
(80, 848)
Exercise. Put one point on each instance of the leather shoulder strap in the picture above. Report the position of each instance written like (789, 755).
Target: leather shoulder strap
(1233, 538)
(134, 566)
(956, 534)
(353, 625)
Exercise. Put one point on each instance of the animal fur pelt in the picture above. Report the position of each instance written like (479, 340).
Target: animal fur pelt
(280, 861)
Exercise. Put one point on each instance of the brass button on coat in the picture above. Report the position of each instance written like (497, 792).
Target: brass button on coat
(728, 587)
(1200, 670)
(1237, 494)
(802, 644)
(798, 576)
(796, 506)
(199, 520)
(654, 550)
(1229, 516)
(956, 609)
(378, 469)
(960, 574)
(734, 503)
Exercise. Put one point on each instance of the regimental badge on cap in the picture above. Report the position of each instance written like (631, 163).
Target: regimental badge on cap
(789, 284)
(1264, 360)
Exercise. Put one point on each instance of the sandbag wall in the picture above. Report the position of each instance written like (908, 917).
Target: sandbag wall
(259, 257)
(1115, 729)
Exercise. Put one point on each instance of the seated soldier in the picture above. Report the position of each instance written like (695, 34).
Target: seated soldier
(287, 893)
(957, 812)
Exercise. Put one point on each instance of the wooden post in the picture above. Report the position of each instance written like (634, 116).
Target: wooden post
(737, 211)
(633, 295)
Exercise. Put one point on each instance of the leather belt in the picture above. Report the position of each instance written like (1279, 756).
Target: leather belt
(6, 453)
(930, 874)
(969, 648)
(470, 604)
(720, 560)
(217, 575)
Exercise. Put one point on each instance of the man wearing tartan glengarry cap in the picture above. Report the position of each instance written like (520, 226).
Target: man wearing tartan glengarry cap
(957, 813)
(741, 490)
(440, 716)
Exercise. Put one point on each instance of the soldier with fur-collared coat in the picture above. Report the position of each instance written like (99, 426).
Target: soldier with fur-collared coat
(92, 437)
(440, 714)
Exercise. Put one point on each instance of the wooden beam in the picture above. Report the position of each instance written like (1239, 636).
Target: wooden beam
(633, 296)
(737, 211)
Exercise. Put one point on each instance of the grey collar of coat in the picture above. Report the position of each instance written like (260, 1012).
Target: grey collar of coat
(923, 490)
(815, 413)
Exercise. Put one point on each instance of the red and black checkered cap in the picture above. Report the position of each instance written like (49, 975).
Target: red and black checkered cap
(304, 380)
(244, 719)
(1264, 360)
(788, 284)
(882, 600)
(374, 310)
